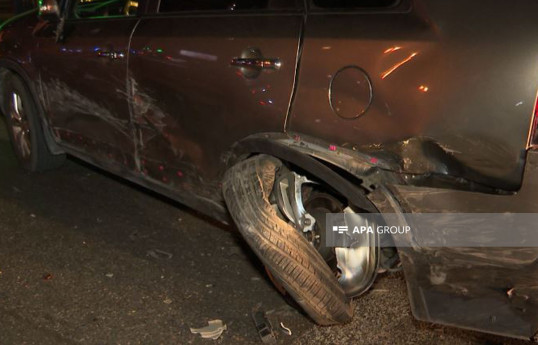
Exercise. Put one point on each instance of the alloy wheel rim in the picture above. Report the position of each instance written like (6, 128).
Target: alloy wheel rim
(354, 267)
(20, 126)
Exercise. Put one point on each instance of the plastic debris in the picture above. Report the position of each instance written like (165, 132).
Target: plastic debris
(213, 330)
(109, 275)
(133, 235)
(159, 254)
(234, 251)
(264, 327)
(285, 329)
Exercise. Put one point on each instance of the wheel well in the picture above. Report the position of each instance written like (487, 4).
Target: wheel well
(7, 68)
(3, 73)
(338, 179)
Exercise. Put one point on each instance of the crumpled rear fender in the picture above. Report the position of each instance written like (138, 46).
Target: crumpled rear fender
(417, 161)
(492, 290)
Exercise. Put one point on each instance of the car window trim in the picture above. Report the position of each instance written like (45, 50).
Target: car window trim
(214, 13)
(101, 19)
(142, 4)
(403, 6)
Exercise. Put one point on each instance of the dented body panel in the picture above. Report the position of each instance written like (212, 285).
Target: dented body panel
(189, 105)
(83, 93)
(486, 289)
(462, 74)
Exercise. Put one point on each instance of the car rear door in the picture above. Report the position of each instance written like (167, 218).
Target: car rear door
(83, 78)
(205, 74)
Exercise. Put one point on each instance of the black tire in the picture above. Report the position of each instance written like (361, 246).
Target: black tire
(293, 261)
(26, 119)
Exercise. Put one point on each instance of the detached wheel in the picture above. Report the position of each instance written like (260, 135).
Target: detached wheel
(292, 260)
(24, 127)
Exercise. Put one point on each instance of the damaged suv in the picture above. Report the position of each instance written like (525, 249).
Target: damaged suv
(272, 114)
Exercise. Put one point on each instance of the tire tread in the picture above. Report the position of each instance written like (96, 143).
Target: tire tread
(286, 253)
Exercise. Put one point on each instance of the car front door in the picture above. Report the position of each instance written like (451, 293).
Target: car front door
(83, 78)
(203, 75)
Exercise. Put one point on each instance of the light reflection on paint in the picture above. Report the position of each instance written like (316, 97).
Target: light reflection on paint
(398, 65)
(392, 49)
(198, 55)
(423, 88)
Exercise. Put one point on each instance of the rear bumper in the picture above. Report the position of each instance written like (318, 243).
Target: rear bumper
(492, 290)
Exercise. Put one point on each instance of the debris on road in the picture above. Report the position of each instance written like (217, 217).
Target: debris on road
(109, 275)
(167, 301)
(264, 327)
(234, 251)
(213, 330)
(32, 215)
(47, 276)
(159, 254)
(285, 329)
(135, 235)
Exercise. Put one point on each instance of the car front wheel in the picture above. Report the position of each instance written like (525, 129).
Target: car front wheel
(24, 127)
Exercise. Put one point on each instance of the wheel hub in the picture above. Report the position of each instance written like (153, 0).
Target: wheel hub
(355, 267)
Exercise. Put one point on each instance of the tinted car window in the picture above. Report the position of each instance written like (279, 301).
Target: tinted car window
(226, 5)
(104, 8)
(353, 3)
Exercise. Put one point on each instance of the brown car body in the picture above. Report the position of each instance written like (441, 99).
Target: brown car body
(425, 97)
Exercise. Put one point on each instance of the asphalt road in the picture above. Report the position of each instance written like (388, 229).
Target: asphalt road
(88, 258)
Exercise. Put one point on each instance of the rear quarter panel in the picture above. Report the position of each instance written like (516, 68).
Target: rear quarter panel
(477, 60)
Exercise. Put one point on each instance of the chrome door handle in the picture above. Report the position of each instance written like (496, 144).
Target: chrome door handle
(259, 63)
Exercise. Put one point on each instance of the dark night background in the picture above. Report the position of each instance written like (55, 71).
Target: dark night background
(76, 267)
